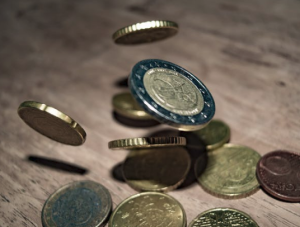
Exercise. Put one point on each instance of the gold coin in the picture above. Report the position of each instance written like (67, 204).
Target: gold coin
(145, 32)
(220, 217)
(125, 105)
(151, 209)
(51, 123)
(145, 142)
(230, 171)
(160, 169)
(214, 135)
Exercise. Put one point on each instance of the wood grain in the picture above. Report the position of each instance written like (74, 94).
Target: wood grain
(61, 53)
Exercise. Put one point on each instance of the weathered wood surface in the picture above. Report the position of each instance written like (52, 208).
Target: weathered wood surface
(61, 53)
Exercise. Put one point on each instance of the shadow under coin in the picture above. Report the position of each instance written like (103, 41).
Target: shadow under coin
(134, 122)
(117, 172)
(58, 165)
(123, 82)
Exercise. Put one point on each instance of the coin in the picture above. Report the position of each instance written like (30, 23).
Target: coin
(83, 203)
(221, 217)
(151, 209)
(230, 171)
(145, 32)
(278, 173)
(171, 94)
(145, 142)
(160, 169)
(125, 105)
(214, 135)
(51, 123)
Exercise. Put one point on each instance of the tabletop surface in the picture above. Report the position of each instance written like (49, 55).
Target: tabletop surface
(61, 53)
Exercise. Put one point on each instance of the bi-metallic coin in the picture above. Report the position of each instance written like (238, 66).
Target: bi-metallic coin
(278, 173)
(171, 94)
(221, 217)
(230, 171)
(147, 142)
(160, 169)
(81, 204)
(52, 123)
(151, 209)
(145, 32)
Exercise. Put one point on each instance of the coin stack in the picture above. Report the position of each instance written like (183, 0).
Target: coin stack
(163, 92)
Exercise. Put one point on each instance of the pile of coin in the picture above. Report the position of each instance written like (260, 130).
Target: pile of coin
(161, 91)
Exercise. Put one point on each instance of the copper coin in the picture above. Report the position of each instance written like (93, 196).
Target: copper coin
(278, 172)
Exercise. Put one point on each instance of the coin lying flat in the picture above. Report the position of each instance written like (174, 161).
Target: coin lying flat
(221, 217)
(230, 171)
(146, 142)
(125, 105)
(171, 94)
(151, 209)
(278, 172)
(214, 135)
(83, 203)
(145, 32)
(160, 169)
(52, 123)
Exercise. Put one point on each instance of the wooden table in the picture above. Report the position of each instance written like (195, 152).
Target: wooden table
(61, 53)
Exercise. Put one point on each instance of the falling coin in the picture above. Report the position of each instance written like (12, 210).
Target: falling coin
(51, 123)
(278, 173)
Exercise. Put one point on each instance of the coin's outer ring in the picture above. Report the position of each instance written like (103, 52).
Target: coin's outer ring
(54, 113)
(184, 123)
(110, 223)
(146, 142)
(265, 186)
(73, 184)
(220, 209)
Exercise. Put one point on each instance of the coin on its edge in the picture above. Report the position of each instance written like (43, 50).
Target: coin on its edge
(219, 217)
(171, 94)
(147, 142)
(278, 173)
(149, 209)
(214, 135)
(125, 105)
(145, 32)
(160, 169)
(82, 203)
(230, 171)
(51, 123)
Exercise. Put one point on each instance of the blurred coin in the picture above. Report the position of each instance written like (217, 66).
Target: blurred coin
(145, 142)
(151, 209)
(125, 105)
(221, 217)
(145, 32)
(83, 203)
(171, 94)
(230, 171)
(51, 123)
(160, 169)
(214, 135)
(278, 173)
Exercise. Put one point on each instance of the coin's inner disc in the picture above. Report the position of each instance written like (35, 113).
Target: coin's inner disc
(173, 91)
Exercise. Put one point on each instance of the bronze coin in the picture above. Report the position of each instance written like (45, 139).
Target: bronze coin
(278, 173)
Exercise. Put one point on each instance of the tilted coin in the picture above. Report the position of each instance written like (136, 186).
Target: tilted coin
(145, 142)
(171, 94)
(125, 105)
(51, 123)
(151, 209)
(278, 173)
(83, 203)
(214, 135)
(145, 32)
(160, 169)
(221, 217)
(230, 171)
